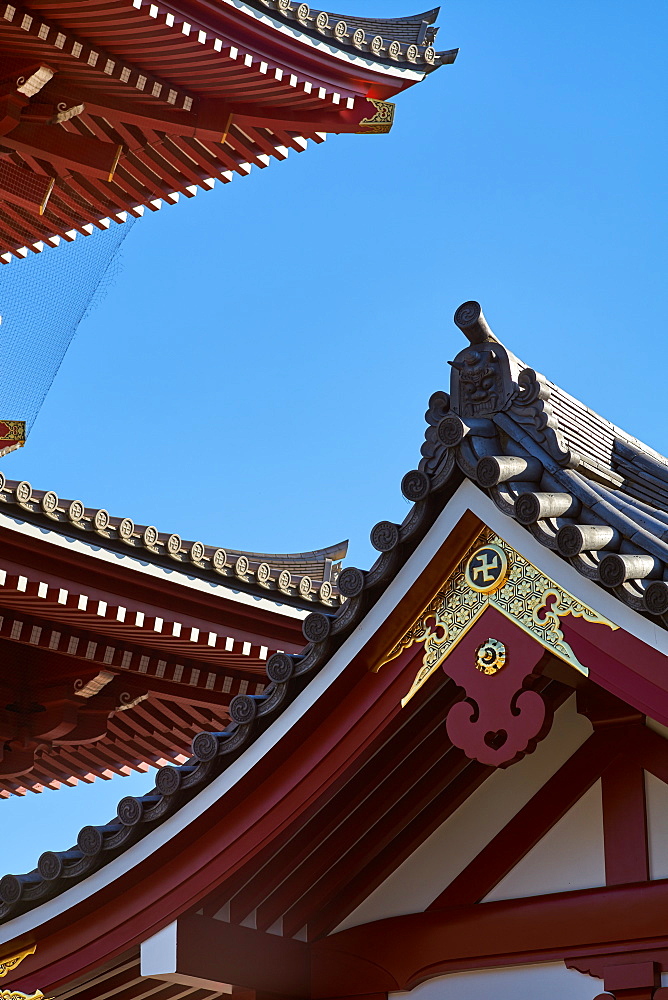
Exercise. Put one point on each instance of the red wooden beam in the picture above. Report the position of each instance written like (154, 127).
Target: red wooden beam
(65, 150)
(284, 861)
(532, 822)
(625, 822)
(400, 952)
(219, 952)
(396, 814)
(388, 857)
(24, 188)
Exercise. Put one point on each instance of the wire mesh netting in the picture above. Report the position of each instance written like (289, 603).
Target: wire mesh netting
(43, 299)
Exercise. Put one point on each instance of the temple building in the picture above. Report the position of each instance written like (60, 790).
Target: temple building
(455, 787)
(113, 107)
(131, 640)
(444, 777)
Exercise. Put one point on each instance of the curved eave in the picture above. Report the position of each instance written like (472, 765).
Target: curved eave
(315, 684)
(306, 33)
(299, 579)
(450, 506)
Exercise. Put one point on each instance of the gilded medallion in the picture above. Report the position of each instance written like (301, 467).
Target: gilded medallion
(490, 656)
(487, 569)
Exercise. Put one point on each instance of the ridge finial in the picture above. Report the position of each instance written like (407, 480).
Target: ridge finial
(471, 321)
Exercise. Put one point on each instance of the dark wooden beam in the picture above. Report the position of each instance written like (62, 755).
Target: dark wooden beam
(64, 149)
(625, 822)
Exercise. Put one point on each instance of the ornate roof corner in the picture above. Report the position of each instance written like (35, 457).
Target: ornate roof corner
(245, 83)
(406, 42)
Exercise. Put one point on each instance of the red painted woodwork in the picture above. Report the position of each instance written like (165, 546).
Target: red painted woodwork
(342, 729)
(621, 664)
(500, 721)
(353, 787)
(510, 932)
(220, 952)
(531, 823)
(107, 685)
(147, 102)
(625, 822)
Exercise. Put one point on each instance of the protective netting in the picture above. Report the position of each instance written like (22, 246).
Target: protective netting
(43, 299)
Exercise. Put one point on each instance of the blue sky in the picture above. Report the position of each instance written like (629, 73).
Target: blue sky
(257, 375)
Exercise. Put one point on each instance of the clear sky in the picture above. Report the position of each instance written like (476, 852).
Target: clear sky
(258, 374)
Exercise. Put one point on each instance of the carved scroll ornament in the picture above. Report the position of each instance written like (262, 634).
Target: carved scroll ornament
(9, 963)
(487, 379)
(16, 995)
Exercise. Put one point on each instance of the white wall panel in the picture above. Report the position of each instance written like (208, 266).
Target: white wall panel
(552, 981)
(424, 875)
(657, 826)
(570, 856)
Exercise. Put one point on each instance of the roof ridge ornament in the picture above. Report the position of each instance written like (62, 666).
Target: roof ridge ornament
(470, 319)
(487, 380)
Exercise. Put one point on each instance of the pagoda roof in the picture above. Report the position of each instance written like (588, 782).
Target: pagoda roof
(416, 30)
(299, 579)
(139, 638)
(122, 106)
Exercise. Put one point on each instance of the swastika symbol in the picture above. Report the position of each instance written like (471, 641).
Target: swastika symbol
(487, 569)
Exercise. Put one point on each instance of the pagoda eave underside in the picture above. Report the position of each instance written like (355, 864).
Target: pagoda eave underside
(156, 108)
(106, 688)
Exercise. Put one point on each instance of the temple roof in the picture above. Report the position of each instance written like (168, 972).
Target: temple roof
(407, 41)
(301, 579)
(587, 491)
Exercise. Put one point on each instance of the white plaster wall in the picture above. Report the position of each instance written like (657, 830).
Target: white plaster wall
(657, 826)
(570, 856)
(551, 981)
(427, 872)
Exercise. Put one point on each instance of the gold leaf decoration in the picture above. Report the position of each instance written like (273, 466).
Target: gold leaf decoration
(521, 592)
(7, 964)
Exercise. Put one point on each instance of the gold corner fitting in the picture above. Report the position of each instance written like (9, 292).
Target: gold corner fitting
(380, 122)
(17, 995)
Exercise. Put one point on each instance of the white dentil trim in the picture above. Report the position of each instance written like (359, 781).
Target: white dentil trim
(138, 565)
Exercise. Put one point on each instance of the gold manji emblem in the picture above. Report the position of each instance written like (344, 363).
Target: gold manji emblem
(493, 574)
(490, 656)
(7, 964)
(487, 569)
